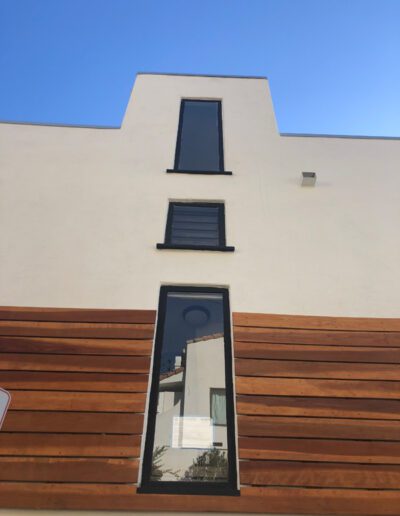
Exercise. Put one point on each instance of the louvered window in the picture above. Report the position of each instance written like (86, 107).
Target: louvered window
(195, 226)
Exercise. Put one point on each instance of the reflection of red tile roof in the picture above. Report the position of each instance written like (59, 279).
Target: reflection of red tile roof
(207, 337)
(171, 373)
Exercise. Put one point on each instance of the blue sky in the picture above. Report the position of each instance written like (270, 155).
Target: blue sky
(333, 65)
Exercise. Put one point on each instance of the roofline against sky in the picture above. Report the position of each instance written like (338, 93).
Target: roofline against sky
(346, 136)
(286, 135)
(55, 124)
(260, 77)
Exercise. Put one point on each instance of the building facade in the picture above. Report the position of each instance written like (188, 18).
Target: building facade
(230, 335)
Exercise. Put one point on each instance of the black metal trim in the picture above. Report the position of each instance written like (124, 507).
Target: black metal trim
(226, 249)
(188, 488)
(220, 140)
(201, 172)
(221, 228)
(204, 488)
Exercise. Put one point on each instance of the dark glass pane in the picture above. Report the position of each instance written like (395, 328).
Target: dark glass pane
(199, 145)
(195, 225)
(189, 446)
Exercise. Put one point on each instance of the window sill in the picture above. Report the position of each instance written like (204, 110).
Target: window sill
(207, 172)
(222, 248)
(185, 488)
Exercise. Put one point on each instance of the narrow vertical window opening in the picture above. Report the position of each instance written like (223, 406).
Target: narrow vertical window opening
(199, 147)
(190, 440)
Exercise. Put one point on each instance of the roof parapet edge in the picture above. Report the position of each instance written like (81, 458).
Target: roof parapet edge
(345, 136)
(205, 75)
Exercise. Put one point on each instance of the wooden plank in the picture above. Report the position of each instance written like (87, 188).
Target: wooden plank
(89, 363)
(317, 474)
(27, 380)
(86, 330)
(317, 337)
(279, 500)
(318, 407)
(45, 469)
(78, 401)
(317, 322)
(69, 445)
(77, 315)
(332, 370)
(311, 387)
(321, 450)
(254, 350)
(73, 422)
(76, 346)
(275, 426)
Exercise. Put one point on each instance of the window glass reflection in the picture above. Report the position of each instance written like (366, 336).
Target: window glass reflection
(190, 440)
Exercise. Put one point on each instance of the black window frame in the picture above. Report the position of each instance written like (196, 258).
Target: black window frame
(230, 488)
(221, 170)
(221, 228)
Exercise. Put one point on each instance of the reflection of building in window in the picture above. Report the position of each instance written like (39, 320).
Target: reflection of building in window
(185, 424)
(187, 448)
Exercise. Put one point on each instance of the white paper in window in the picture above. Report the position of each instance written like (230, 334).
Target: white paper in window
(192, 432)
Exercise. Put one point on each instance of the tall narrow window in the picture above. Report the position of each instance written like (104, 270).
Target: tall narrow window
(198, 226)
(199, 147)
(190, 441)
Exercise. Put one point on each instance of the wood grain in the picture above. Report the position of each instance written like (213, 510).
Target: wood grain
(54, 381)
(324, 450)
(323, 388)
(77, 401)
(73, 422)
(279, 500)
(91, 363)
(318, 407)
(77, 329)
(299, 427)
(64, 445)
(77, 346)
(316, 353)
(327, 370)
(77, 315)
(317, 337)
(49, 469)
(317, 322)
(317, 474)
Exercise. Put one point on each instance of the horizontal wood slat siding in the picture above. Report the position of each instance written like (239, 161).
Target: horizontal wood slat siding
(318, 403)
(270, 500)
(57, 346)
(71, 381)
(76, 422)
(50, 469)
(318, 410)
(253, 320)
(78, 381)
(77, 315)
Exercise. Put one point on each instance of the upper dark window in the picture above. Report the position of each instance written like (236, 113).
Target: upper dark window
(199, 147)
(195, 226)
(190, 438)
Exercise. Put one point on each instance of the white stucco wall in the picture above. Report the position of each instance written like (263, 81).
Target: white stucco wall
(81, 210)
